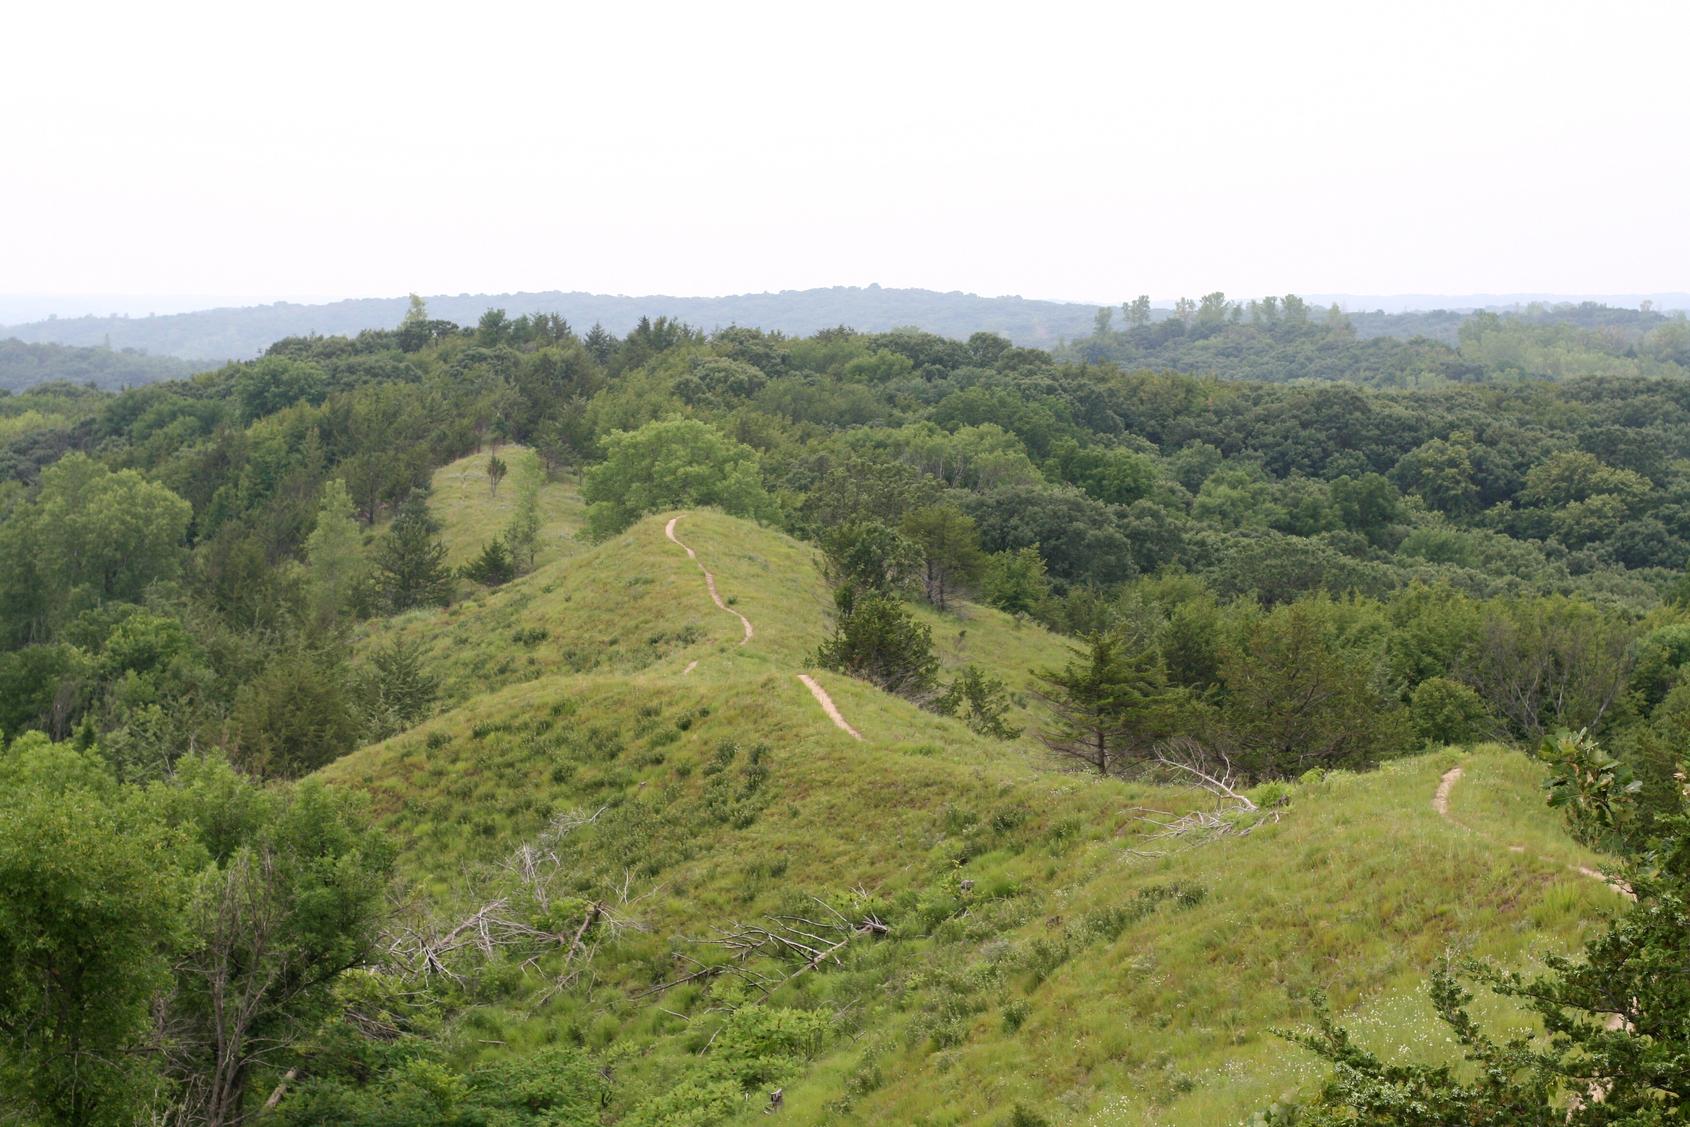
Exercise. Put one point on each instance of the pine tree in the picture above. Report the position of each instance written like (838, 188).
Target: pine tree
(599, 343)
(522, 535)
(876, 638)
(334, 553)
(410, 564)
(398, 691)
(1111, 705)
(493, 566)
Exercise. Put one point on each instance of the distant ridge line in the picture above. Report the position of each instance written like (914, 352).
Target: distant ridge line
(240, 333)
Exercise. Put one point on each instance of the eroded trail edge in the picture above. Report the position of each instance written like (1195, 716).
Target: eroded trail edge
(828, 706)
(1440, 804)
(710, 582)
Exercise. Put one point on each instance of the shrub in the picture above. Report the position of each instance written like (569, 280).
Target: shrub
(877, 639)
(1447, 712)
(980, 701)
(492, 567)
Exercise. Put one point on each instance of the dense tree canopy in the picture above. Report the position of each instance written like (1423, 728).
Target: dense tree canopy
(669, 465)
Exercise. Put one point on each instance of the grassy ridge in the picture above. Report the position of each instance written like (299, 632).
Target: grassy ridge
(1089, 972)
(470, 514)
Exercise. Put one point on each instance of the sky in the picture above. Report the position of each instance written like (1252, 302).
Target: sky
(1060, 150)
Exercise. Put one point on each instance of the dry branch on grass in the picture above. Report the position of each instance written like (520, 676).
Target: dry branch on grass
(1209, 769)
(798, 943)
(428, 949)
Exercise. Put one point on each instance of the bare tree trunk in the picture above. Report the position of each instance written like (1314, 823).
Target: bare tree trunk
(289, 1077)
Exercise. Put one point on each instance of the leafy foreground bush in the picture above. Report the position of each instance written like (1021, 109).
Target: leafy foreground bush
(157, 942)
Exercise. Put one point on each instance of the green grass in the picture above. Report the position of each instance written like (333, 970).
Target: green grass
(1082, 976)
(636, 602)
(470, 515)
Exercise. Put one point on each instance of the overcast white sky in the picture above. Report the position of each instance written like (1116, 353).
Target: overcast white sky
(1063, 150)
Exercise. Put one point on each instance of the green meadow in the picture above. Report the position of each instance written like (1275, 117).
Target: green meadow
(1048, 953)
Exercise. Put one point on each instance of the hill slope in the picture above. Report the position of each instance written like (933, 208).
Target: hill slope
(986, 933)
(27, 365)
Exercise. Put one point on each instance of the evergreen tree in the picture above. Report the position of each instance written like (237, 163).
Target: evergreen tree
(397, 690)
(979, 700)
(334, 553)
(1112, 705)
(294, 717)
(876, 638)
(601, 346)
(493, 566)
(1300, 696)
(410, 563)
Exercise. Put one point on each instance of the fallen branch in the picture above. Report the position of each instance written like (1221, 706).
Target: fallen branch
(1209, 770)
(801, 943)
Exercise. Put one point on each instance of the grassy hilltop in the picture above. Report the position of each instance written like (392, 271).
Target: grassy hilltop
(1045, 956)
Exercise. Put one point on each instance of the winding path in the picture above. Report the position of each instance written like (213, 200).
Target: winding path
(828, 706)
(816, 690)
(1440, 804)
(710, 582)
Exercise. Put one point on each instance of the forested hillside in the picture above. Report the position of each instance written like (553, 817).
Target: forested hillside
(24, 366)
(512, 724)
(1283, 338)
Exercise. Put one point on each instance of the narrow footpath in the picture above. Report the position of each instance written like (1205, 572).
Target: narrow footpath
(816, 690)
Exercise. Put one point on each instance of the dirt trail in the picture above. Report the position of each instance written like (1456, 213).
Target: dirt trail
(710, 582)
(809, 682)
(1440, 804)
(827, 705)
(1440, 800)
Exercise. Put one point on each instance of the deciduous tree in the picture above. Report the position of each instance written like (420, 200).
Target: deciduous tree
(91, 907)
(671, 464)
(334, 553)
(950, 550)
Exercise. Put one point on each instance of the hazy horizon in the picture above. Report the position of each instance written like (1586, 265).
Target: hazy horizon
(198, 149)
(21, 309)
